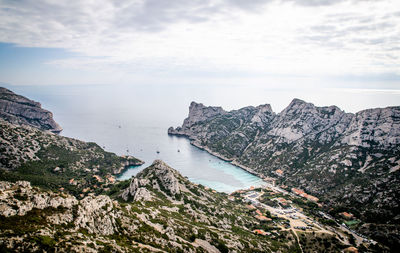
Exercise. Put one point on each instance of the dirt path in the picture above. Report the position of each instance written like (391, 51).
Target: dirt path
(298, 240)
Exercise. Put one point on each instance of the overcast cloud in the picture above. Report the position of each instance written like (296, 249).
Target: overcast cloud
(206, 38)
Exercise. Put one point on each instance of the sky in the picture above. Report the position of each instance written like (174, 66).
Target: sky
(336, 44)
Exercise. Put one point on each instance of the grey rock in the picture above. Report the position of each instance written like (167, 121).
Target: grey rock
(341, 157)
(29, 198)
(158, 176)
(95, 213)
(137, 191)
(17, 109)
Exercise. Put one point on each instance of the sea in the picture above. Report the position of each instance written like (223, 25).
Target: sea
(133, 119)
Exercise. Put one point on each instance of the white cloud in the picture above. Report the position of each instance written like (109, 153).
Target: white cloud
(177, 37)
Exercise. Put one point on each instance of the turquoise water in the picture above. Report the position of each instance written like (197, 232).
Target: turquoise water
(196, 164)
(134, 121)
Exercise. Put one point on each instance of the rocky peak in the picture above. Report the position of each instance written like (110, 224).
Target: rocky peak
(299, 121)
(17, 109)
(159, 176)
(265, 108)
(198, 112)
(263, 115)
(305, 120)
(297, 106)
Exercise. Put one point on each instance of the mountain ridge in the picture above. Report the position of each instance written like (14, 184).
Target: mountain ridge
(348, 159)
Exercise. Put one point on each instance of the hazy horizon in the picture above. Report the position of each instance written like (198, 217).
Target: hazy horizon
(228, 97)
(218, 52)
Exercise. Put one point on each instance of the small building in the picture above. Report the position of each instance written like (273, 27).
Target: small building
(351, 250)
(346, 215)
(251, 207)
(262, 218)
(279, 172)
(282, 201)
(297, 191)
(259, 232)
(111, 179)
(98, 178)
(304, 195)
(312, 198)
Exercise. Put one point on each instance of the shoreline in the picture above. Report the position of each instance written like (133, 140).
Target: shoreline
(130, 161)
(232, 161)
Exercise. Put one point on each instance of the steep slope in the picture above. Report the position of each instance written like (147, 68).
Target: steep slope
(345, 159)
(20, 110)
(163, 211)
(53, 161)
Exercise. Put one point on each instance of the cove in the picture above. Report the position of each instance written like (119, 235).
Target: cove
(133, 120)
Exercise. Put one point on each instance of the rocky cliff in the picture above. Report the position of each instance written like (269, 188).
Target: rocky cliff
(20, 110)
(345, 159)
(299, 122)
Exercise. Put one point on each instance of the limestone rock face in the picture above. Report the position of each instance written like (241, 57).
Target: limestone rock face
(17, 109)
(96, 214)
(166, 177)
(137, 191)
(374, 126)
(199, 112)
(341, 157)
(158, 176)
(299, 122)
(19, 198)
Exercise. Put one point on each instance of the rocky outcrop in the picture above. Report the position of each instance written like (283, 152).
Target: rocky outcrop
(342, 158)
(158, 176)
(197, 113)
(300, 121)
(137, 191)
(97, 214)
(19, 198)
(20, 110)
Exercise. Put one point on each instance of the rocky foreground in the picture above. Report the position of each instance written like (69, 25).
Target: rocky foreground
(349, 161)
(159, 211)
